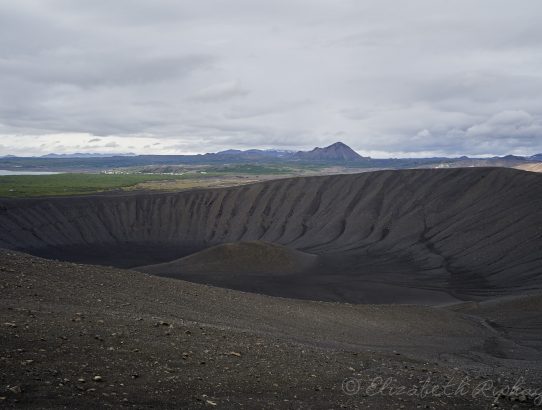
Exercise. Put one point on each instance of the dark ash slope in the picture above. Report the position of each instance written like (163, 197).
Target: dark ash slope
(471, 233)
(163, 343)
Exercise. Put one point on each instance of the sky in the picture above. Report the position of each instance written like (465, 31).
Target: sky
(389, 78)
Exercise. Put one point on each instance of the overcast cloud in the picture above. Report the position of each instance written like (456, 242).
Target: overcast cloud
(389, 78)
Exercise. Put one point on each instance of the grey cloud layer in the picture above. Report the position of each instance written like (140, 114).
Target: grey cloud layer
(386, 77)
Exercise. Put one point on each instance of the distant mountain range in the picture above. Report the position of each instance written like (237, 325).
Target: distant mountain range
(87, 155)
(339, 152)
(335, 154)
(250, 154)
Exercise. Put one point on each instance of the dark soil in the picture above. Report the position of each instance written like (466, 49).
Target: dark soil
(79, 336)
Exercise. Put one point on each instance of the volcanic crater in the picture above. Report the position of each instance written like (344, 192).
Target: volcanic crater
(407, 236)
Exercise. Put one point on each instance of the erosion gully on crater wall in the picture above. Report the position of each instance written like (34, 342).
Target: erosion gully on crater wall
(429, 236)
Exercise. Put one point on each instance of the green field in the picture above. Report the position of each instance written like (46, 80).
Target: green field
(171, 178)
(73, 184)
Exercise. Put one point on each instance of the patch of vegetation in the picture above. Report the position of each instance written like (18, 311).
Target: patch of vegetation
(73, 184)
